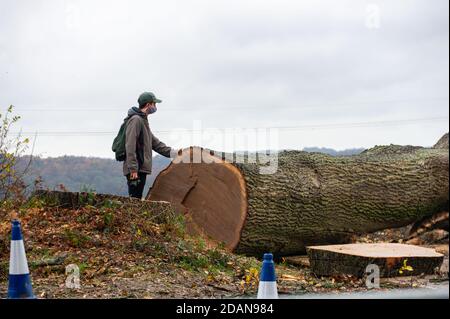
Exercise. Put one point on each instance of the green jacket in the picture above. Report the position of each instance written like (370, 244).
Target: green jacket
(139, 143)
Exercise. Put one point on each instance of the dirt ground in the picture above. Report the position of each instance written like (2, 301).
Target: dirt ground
(121, 254)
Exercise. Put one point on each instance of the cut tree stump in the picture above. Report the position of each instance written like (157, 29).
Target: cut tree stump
(305, 198)
(159, 211)
(352, 259)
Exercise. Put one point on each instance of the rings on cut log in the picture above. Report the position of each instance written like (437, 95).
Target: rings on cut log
(210, 191)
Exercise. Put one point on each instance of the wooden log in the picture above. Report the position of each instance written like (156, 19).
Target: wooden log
(299, 261)
(310, 198)
(429, 223)
(352, 259)
(55, 261)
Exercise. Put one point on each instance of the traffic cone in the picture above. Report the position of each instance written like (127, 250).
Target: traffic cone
(267, 281)
(19, 275)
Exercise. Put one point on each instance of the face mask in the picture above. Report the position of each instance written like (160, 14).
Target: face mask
(151, 109)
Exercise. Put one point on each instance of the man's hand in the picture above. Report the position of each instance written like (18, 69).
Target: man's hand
(133, 175)
(175, 152)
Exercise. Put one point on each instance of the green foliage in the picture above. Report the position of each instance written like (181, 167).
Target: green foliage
(108, 220)
(12, 185)
(249, 263)
(175, 224)
(201, 243)
(193, 255)
(87, 189)
(34, 202)
(193, 261)
(83, 218)
(7, 204)
(87, 195)
(405, 267)
(76, 238)
(217, 258)
(82, 267)
(109, 203)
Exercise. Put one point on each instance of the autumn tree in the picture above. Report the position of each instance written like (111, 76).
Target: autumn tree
(12, 146)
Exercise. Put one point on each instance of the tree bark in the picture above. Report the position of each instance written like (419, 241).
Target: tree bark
(309, 199)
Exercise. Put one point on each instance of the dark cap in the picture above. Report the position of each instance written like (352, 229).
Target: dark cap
(147, 97)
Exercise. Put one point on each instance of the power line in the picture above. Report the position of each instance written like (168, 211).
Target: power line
(172, 109)
(283, 128)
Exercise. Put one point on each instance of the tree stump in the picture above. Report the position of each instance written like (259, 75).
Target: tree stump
(352, 259)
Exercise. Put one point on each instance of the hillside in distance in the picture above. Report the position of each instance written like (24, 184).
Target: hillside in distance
(79, 173)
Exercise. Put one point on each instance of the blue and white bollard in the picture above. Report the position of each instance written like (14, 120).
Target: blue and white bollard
(267, 281)
(19, 275)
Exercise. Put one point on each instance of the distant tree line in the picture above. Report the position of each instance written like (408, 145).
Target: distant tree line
(332, 152)
(79, 173)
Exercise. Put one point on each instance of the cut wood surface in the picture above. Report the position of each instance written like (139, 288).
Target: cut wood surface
(310, 198)
(379, 250)
(352, 259)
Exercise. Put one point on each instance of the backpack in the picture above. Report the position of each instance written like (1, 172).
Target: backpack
(118, 146)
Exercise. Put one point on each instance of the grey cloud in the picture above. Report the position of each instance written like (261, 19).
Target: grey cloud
(276, 59)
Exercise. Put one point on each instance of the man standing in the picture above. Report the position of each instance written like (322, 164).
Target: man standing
(139, 143)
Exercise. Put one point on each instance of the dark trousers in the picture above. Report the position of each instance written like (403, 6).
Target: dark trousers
(136, 186)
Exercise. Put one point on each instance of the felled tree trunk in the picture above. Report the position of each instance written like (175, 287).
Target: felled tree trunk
(305, 198)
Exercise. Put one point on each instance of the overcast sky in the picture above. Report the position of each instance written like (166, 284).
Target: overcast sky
(332, 73)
